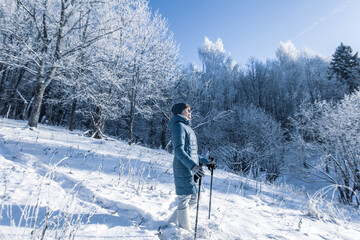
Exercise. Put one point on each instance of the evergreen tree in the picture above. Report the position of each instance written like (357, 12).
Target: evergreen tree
(345, 66)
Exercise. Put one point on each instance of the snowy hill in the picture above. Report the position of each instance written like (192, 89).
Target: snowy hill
(58, 184)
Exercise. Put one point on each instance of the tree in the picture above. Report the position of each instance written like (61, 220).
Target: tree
(254, 143)
(334, 130)
(345, 67)
(98, 84)
(131, 70)
(49, 34)
(317, 83)
(151, 61)
(100, 92)
(256, 83)
(12, 74)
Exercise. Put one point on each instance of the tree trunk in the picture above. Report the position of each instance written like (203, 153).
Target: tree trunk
(2, 79)
(73, 115)
(163, 133)
(36, 106)
(13, 93)
(131, 123)
(98, 122)
(63, 115)
(99, 128)
(24, 111)
(2, 87)
(151, 132)
(132, 107)
(45, 77)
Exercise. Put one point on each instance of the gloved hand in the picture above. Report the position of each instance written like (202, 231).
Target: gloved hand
(211, 164)
(196, 178)
(198, 171)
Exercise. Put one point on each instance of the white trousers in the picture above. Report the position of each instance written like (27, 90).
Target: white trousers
(183, 201)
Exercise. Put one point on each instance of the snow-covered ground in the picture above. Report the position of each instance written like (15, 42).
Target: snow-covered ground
(58, 184)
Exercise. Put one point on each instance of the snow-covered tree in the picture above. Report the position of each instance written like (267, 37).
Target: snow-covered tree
(48, 33)
(334, 129)
(12, 75)
(151, 61)
(99, 83)
(131, 70)
(287, 52)
(106, 60)
(211, 55)
(345, 67)
(218, 74)
(250, 142)
(318, 86)
(256, 84)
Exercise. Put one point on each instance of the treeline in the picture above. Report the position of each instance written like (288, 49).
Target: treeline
(111, 69)
(251, 116)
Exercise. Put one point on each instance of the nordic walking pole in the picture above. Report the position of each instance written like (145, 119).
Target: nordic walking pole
(197, 208)
(212, 173)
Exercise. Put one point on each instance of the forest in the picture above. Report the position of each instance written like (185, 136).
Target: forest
(112, 70)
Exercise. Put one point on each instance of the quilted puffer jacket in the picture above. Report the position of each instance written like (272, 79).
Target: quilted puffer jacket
(185, 154)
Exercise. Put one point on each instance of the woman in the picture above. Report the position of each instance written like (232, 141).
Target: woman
(187, 163)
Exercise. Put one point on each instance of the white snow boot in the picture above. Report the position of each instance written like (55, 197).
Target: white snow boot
(173, 218)
(184, 218)
(192, 206)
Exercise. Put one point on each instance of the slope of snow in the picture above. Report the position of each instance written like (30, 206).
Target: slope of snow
(58, 184)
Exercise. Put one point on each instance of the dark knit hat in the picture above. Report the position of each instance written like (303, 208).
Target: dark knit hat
(178, 108)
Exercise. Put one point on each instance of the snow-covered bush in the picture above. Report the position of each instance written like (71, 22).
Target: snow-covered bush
(255, 145)
(334, 129)
(320, 208)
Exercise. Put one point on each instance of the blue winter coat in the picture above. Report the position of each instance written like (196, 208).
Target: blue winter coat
(185, 155)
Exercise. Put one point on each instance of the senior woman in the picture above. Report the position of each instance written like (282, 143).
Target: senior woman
(187, 163)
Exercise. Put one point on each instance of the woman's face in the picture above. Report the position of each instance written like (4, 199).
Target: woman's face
(187, 113)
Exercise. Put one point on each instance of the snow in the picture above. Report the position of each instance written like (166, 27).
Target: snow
(74, 186)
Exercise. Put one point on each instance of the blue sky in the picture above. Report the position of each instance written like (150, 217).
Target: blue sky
(254, 28)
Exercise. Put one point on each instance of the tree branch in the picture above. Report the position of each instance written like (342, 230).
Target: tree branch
(220, 115)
